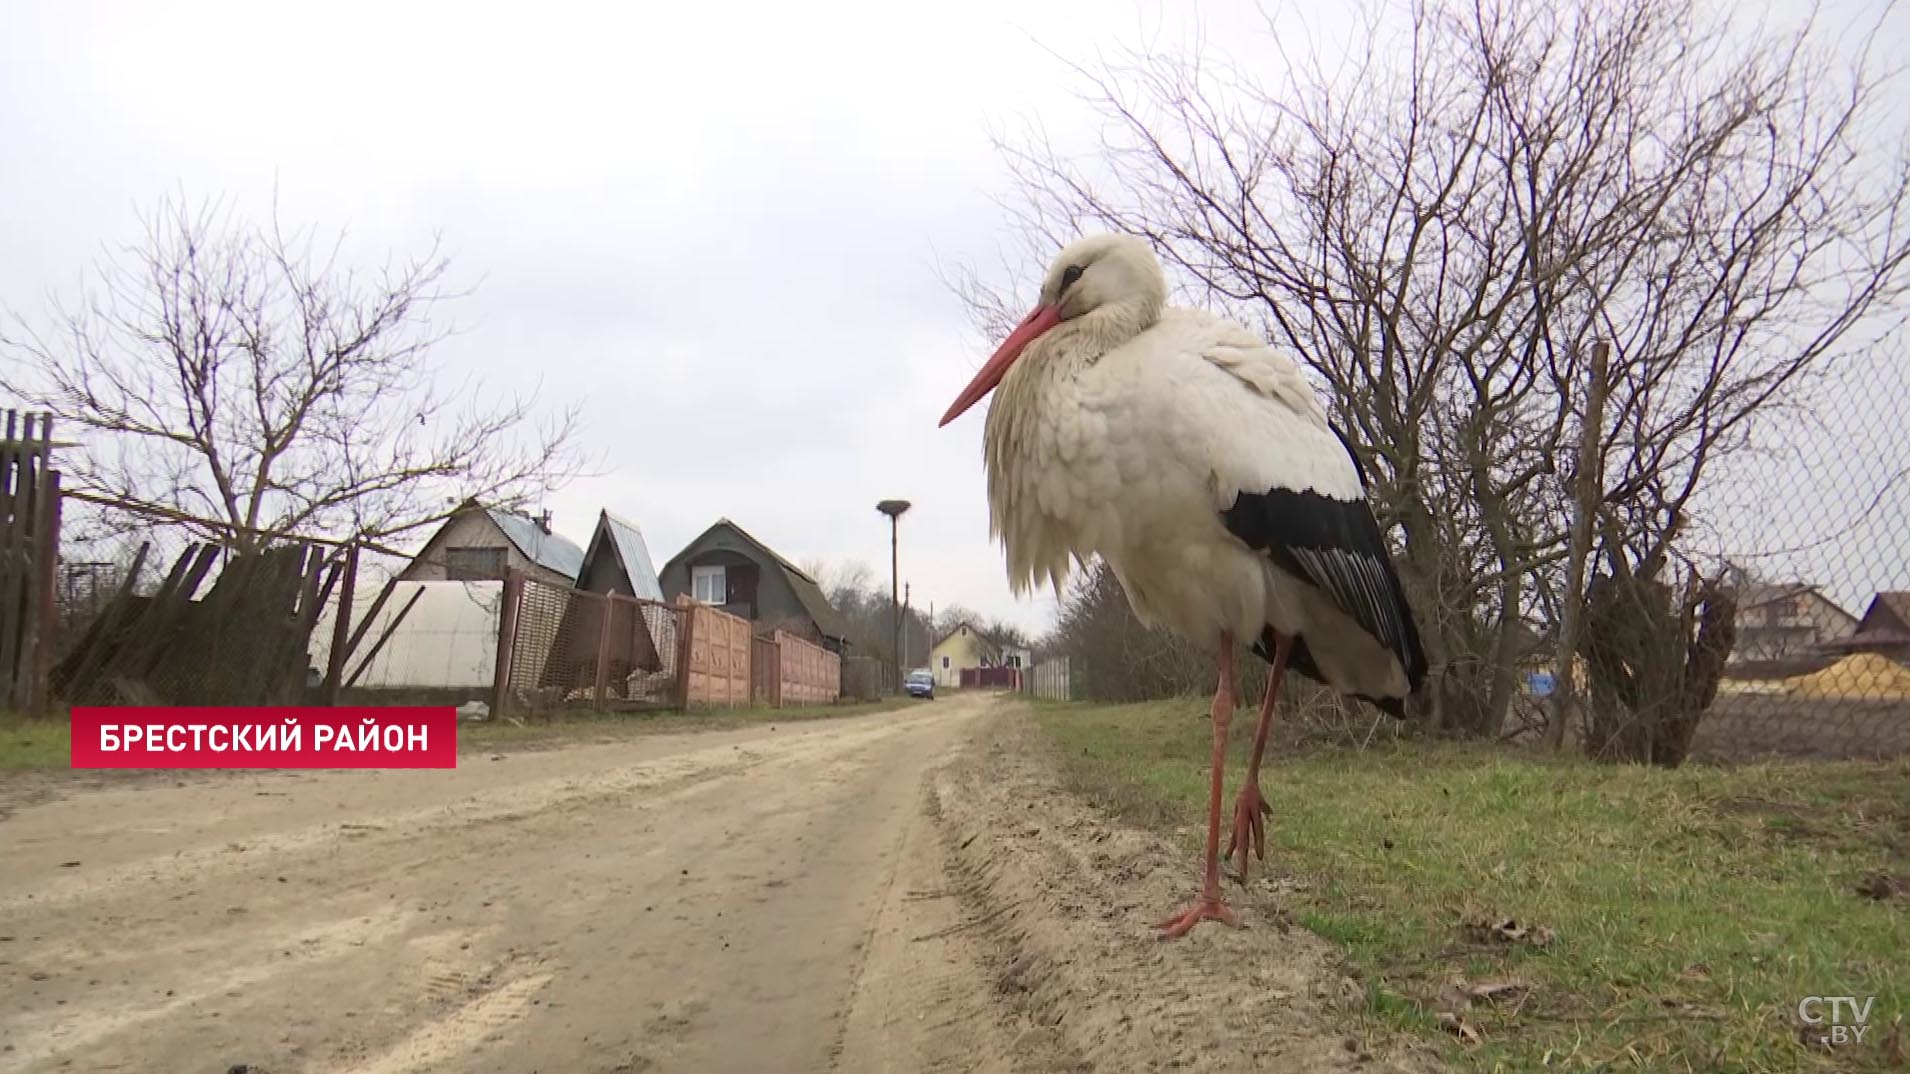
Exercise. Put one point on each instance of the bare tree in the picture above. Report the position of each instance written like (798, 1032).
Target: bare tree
(862, 599)
(1439, 232)
(242, 382)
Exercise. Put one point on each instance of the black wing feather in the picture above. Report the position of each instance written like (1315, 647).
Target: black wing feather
(1337, 546)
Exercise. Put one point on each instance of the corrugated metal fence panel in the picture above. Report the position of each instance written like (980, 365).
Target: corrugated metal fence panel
(1050, 679)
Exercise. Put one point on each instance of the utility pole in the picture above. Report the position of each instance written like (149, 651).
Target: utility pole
(894, 509)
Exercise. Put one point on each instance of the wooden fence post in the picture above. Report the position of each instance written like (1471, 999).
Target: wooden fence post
(602, 684)
(341, 628)
(686, 635)
(506, 643)
(39, 697)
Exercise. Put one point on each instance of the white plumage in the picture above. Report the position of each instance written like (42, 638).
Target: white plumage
(1198, 463)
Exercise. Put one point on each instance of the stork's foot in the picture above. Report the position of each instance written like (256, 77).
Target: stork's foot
(1206, 908)
(1250, 829)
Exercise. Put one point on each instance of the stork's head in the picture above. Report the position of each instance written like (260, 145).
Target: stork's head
(1111, 281)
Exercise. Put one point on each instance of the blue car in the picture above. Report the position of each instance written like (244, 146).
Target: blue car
(920, 683)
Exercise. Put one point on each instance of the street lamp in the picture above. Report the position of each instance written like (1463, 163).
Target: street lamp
(894, 509)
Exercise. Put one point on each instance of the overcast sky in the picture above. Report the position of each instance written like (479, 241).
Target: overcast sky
(718, 225)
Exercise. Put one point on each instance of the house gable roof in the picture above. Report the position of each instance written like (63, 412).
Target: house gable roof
(808, 591)
(547, 550)
(622, 540)
(1886, 620)
(1759, 595)
(1898, 605)
(986, 640)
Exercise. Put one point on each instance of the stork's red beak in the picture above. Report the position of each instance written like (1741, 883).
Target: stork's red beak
(1042, 319)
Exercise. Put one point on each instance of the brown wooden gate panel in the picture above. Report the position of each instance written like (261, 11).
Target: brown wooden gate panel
(716, 658)
(765, 678)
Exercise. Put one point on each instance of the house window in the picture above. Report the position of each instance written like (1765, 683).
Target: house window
(945, 663)
(964, 632)
(474, 564)
(707, 585)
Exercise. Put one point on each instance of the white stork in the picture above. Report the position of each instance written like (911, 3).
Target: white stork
(1197, 462)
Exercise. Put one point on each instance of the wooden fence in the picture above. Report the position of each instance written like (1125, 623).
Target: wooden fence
(789, 670)
(1050, 679)
(29, 555)
(716, 648)
(560, 647)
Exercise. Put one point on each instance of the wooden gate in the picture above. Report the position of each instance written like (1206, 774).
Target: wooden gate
(29, 556)
(715, 657)
(765, 680)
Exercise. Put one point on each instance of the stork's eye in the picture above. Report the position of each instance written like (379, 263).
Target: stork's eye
(1072, 274)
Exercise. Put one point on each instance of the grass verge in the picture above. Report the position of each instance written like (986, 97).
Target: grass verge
(32, 745)
(1684, 913)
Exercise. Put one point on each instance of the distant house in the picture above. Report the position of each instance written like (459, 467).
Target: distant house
(1015, 657)
(1788, 621)
(1884, 629)
(618, 561)
(478, 544)
(962, 648)
(726, 567)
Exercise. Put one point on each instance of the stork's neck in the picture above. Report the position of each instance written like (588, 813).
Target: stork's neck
(1086, 338)
(1042, 380)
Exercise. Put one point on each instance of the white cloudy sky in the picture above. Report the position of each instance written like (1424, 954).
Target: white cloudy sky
(719, 225)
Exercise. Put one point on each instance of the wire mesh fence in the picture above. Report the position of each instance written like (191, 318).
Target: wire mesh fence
(567, 648)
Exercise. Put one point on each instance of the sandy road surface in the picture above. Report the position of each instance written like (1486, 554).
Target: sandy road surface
(905, 892)
(758, 900)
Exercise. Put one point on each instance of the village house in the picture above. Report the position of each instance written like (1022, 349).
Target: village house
(1884, 629)
(727, 567)
(962, 648)
(1787, 621)
(479, 544)
(618, 561)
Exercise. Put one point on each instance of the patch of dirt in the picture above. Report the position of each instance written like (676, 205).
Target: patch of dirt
(1066, 900)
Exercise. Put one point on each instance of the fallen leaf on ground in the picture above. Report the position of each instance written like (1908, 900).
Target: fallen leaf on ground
(1460, 993)
(1510, 931)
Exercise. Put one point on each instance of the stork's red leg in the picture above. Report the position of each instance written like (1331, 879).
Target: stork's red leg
(1251, 808)
(1209, 907)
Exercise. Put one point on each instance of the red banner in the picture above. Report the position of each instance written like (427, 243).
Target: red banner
(346, 737)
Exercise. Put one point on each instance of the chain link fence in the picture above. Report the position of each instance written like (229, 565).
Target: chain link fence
(568, 648)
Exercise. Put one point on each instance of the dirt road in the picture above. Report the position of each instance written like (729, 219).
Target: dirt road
(713, 902)
(903, 892)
